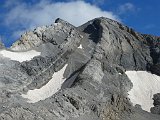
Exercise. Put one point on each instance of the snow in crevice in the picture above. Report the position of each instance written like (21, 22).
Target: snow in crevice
(19, 56)
(80, 46)
(53, 86)
(145, 85)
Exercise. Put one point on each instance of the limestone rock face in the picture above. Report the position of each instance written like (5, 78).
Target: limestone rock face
(154, 43)
(95, 87)
(156, 108)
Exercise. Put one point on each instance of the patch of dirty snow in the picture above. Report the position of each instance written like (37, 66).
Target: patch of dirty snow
(145, 85)
(19, 56)
(47, 90)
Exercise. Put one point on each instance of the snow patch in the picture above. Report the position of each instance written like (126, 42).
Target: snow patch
(56, 24)
(80, 46)
(145, 85)
(20, 56)
(48, 90)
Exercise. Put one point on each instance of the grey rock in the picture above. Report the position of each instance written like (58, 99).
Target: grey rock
(156, 99)
(156, 103)
(155, 109)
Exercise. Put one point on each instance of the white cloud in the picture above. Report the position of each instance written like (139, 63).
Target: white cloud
(45, 12)
(127, 7)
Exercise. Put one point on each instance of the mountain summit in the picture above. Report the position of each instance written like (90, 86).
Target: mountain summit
(101, 70)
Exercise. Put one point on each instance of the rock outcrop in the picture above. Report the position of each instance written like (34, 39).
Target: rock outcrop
(156, 108)
(97, 55)
(154, 43)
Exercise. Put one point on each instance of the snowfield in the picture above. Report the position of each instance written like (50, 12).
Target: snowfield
(145, 85)
(19, 56)
(47, 90)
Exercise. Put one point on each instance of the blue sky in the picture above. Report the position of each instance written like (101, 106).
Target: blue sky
(17, 16)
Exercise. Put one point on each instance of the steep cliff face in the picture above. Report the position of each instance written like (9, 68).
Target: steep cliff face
(80, 73)
(154, 43)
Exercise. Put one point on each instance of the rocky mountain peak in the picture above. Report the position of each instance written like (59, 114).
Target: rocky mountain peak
(101, 70)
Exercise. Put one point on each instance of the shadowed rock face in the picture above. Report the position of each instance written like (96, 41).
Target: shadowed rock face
(154, 43)
(97, 55)
(156, 108)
